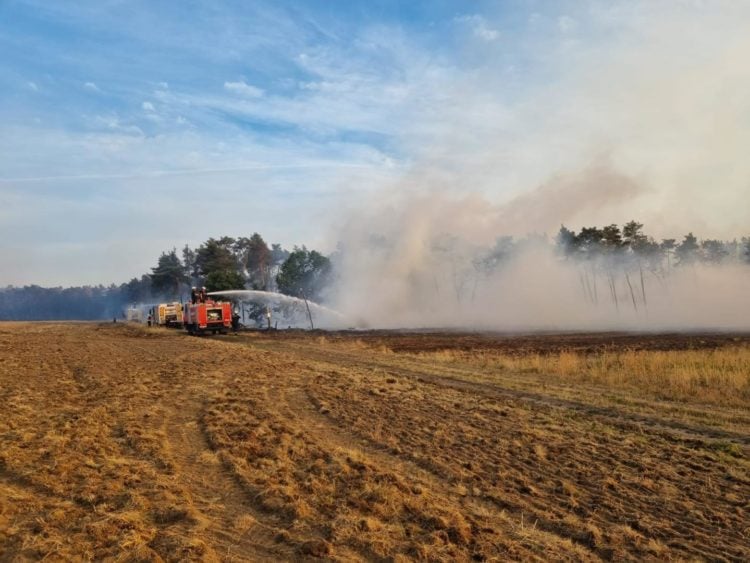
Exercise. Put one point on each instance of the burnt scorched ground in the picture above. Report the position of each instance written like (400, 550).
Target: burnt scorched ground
(120, 441)
(532, 343)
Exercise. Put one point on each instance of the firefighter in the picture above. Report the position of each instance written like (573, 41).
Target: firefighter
(193, 295)
(149, 319)
(204, 295)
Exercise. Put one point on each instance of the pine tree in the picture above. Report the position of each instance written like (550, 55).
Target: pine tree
(168, 275)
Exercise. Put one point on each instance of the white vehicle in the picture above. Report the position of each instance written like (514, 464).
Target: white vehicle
(134, 314)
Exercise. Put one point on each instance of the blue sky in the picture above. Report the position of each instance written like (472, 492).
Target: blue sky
(120, 119)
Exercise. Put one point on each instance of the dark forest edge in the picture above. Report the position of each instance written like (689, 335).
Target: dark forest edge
(233, 263)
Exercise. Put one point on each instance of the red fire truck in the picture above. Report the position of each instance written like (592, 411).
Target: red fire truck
(208, 317)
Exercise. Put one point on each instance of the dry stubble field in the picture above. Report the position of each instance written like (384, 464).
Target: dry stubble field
(122, 442)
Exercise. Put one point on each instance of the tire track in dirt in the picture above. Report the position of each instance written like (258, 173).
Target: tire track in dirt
(530, 504)
(201, 429)
(670, 429)
(614, 416)
(23, 482)
(236, 530)
(689, 527)
(294, 401)
(239, 530)
(729, 416)
(299, 411)
(430, 476)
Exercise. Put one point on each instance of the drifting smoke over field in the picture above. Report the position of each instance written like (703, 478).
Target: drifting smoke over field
(437, 262)
(663, 119)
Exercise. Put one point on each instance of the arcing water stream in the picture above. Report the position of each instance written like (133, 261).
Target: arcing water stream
(322, 315)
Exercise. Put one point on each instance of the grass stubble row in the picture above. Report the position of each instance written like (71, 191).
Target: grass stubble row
(351, 456)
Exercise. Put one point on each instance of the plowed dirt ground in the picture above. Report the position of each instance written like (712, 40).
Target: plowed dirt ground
(123, 442)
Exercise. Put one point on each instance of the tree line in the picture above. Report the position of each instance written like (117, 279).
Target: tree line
(249, 262)
(218, 264)
(631, 242)
(623, 257)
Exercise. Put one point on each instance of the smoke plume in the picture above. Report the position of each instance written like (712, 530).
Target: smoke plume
(435, 261)
(643, 115)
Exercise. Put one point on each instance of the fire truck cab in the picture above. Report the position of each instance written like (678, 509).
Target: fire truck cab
(208, 317)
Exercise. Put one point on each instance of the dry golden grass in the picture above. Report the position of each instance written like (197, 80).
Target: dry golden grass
(719, 376)
(119, 442)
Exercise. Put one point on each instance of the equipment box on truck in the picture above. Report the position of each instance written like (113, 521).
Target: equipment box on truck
(211, 316)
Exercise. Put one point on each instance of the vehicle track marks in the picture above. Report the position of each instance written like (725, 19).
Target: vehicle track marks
(612, 414)
(216, 495)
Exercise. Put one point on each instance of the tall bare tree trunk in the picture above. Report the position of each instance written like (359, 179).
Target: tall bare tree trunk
(632, 294)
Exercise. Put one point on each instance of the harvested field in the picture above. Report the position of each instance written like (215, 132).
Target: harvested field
(117, 440)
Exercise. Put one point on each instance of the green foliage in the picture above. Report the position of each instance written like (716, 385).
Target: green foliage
(255, 256)
(190, 265)
(33, 303)
(221, 280)
(632, 234)
(668, 244)
(278, 255)
(304, 272)
(216, 256)
(589, 241)
(632, 244)
(217, 265)
(168, 275)
(612, 237)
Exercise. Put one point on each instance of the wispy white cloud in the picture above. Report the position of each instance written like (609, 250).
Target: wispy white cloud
(115, 123)
(480, 27)
(148, 106)
(243, 89)
(91, 87)
(32, 86)
(184, 172)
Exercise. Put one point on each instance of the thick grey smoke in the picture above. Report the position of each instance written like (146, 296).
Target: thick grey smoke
(643, 115)
(435, 261)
